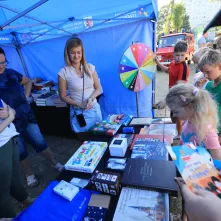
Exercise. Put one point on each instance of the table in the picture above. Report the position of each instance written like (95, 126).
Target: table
(68, 175)
(53, 120)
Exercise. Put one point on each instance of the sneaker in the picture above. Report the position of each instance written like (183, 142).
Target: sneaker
(177, 137)
(59, 167)
(32, 181)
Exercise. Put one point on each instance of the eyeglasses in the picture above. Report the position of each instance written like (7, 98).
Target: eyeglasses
(4, 63)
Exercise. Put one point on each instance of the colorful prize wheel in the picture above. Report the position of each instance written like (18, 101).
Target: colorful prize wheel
(137, 67)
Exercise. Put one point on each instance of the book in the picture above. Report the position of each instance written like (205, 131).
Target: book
(146, 137)
(87, 157)
(121, 119)
(156, 175)
(162, 129)
(137, 204)
(163, 120)
(196, 167)
(43, 83)
(111, 124)
(140, 121)
(105, 128)
(43, 97)
(149, 150)
(66, 190)
(79, 182)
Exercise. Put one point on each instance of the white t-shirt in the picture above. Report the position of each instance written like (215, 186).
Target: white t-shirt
(7, 134)
(75, 83)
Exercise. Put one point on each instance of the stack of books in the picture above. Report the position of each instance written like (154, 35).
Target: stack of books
(111, 124)
(57, 101)
(36, 94)
(42, 100)
(105, 128)
(121, 119)
(42, 84)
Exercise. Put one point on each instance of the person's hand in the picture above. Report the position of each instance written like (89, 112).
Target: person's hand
(201, 82)
(11, 112)
(4, 113)
(83, 104)
(180, 82)
(161, 104)
(200, 205)
(89, 104)
(156, 59)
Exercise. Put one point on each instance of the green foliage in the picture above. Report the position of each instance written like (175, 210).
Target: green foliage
(162, 18)
(172, 17)
(178, 16)
(186, 22)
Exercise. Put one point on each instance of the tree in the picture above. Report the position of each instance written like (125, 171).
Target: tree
(162, 17)
(170, 12)
(178, 14)
(186, 22)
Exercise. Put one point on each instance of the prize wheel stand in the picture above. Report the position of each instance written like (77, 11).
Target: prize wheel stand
(137, 69)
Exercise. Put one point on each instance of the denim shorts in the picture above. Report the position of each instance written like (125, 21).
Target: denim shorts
(91, 116)
(32, 135)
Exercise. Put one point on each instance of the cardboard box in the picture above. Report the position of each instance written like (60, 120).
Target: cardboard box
(106, 182)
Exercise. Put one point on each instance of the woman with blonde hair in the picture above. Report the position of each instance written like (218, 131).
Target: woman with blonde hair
(199, 112)
(81, 80)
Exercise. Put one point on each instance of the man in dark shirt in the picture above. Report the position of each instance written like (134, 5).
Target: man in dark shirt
(15, 89)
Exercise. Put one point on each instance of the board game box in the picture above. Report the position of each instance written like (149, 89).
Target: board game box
(87, 157)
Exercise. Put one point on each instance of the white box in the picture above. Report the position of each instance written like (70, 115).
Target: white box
(118, 147)
(66, 190)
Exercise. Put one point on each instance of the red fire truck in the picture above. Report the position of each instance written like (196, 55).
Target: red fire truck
(166, 47)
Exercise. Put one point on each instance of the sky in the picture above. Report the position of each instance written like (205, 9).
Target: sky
(164, 2)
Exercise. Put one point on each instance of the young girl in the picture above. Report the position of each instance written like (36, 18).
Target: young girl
(199, 112)
(10, 184)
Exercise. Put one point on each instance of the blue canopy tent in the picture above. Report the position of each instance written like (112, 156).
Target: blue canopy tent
(33, 34)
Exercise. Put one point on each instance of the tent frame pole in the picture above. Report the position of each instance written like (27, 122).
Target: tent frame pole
(154, 79)
(35, 19)
(18, 49)
(137, 104)
(19, 15)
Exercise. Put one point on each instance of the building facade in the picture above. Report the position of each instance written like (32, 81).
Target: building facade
(201, 11)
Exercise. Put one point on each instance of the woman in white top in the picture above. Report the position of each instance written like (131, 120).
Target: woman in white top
(81, 80)
(10, 184)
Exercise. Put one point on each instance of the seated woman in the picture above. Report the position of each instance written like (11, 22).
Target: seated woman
(81, 80)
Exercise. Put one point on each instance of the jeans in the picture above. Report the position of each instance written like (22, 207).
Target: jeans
(11, 184)
(33, 136)
(91, 116)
